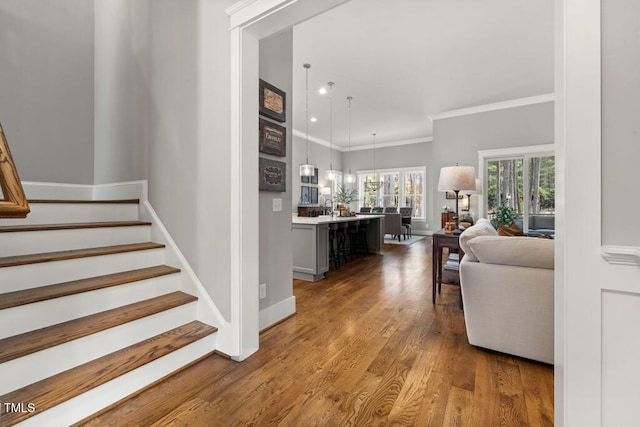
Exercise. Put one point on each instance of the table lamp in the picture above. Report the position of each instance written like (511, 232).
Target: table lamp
(457, 178)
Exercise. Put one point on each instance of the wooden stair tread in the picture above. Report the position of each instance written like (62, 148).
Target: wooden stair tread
(66, 385)
(76, 253)
(71, 226)
(43, 293)
(62, 201)
(40, 339)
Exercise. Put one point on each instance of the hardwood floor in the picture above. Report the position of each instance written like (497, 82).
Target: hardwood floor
(366, 347)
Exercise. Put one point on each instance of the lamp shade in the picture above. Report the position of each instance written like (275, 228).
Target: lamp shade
(478, 189)
(457, 178)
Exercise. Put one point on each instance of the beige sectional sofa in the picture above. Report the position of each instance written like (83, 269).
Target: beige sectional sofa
(507, 290)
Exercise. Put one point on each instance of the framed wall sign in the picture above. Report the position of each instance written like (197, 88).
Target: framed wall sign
(304, 195)
(452, 195)
(273, 175)
(273, 102)
(273, 138)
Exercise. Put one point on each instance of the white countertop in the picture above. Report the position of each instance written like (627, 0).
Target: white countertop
(326, 219)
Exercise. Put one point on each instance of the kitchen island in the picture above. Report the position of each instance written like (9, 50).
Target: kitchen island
(311, 242)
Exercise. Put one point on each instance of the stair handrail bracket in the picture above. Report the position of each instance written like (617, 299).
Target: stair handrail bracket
(14, 202)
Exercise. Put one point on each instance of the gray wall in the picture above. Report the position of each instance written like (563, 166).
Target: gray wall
(620, 125)
(121, 90)
(319, 157)
(458, 139)
(46, 88)
(276, 265)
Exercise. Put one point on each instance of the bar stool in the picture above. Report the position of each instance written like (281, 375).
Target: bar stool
(342, 240)
(363, 229)
(333, 241)
(352, 231)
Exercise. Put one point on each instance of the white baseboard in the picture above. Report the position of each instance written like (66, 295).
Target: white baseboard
(277, 312)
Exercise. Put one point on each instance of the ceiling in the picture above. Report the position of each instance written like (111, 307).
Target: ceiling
(405, 60)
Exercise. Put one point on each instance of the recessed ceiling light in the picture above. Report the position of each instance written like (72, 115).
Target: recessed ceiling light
(322, 90)
(313, 119)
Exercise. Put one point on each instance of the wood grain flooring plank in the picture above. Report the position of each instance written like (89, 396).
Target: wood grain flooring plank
(513, 410)
(458, 410)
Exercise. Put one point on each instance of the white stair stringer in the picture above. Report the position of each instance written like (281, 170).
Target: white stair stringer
(47, 273)
(21, 319)
(88, 403)
(207, 310)
(23, 242)
(34, 367)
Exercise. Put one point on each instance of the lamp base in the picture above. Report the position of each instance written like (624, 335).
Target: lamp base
(456, 232)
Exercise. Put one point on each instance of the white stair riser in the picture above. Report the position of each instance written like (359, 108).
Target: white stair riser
(29, 317)
(47, 273)
(35, 242)
(88, 403)
(54, 213)
(37, 366)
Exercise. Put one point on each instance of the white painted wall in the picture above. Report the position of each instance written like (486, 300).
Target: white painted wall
(189, 134)
(458, 139)
(46, 88)
(276, 265)
(121, 131)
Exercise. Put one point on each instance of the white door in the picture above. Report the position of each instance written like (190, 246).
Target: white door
(598, 241)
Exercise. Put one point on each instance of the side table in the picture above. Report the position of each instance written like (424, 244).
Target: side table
(442, 240)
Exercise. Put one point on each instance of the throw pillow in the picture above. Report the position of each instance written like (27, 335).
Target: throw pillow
(482, 228)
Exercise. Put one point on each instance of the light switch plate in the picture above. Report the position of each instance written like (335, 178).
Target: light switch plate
(277, 205)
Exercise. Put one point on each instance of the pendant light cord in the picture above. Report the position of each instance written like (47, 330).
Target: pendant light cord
(349, 98)
(307, 66)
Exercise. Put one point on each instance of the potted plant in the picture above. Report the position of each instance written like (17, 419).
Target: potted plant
(504, 215)
(345, 195)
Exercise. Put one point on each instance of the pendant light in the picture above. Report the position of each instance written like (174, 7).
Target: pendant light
(307, 169)
(349, 178)
(332, 174)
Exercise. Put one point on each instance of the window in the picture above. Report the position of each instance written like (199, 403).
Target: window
(393, 188)
(504, 180)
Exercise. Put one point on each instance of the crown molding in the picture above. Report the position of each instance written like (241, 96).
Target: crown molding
(238, 6)
(520, 102)
(344, 149)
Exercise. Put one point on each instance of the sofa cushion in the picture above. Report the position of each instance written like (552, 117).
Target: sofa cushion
(482, 227)
(516, 251)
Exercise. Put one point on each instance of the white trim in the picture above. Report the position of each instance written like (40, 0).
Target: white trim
(277, 312)
(343, 149)
(521, 102)
(504, 153)
(624, 255)
(401, 193)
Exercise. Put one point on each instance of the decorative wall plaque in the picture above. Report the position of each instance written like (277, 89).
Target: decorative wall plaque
(273, 138)
(273, 175)
(272, 102)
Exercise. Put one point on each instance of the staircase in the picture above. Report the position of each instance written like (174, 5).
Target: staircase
(89, 311)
